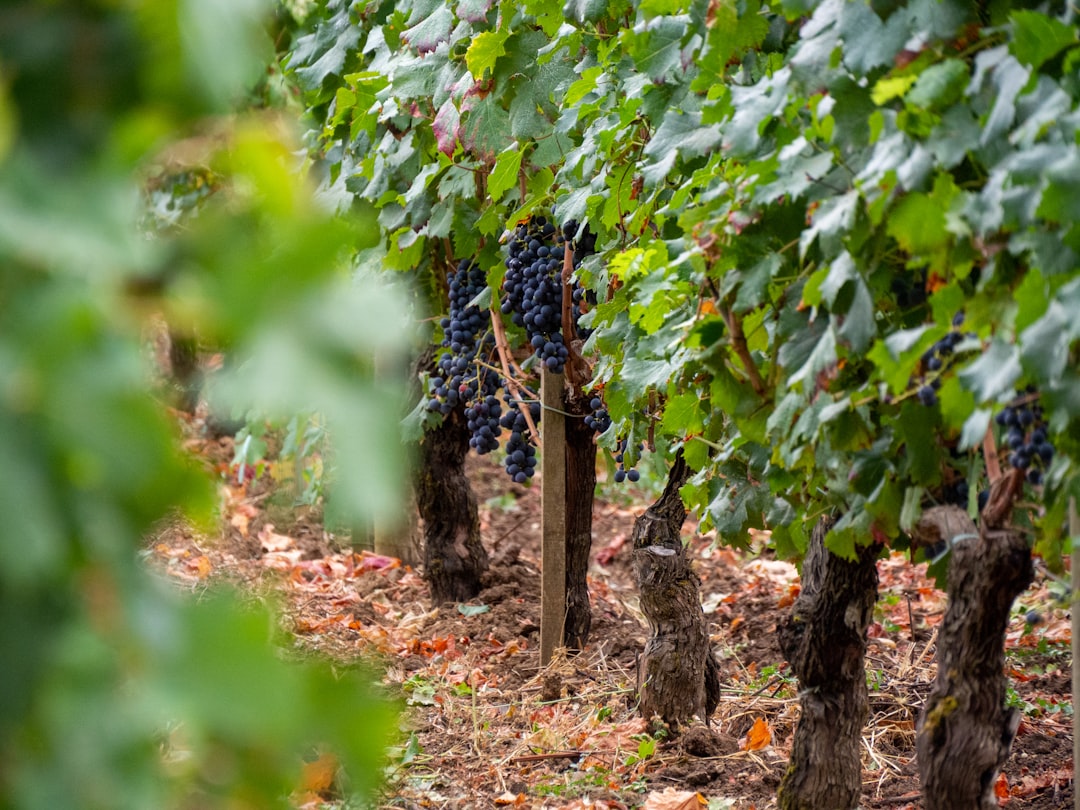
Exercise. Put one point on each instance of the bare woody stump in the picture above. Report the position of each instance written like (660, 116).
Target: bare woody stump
(678, 678)
(965, 733)
(454, 557)
(825, 641)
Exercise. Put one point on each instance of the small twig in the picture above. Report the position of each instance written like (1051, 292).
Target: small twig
(911, 619)
(508, 379)
(558, 755)
(990, 457)
(738, 342)
(926, 649)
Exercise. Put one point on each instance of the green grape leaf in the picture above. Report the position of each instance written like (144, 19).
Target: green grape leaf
(683, 415)
(656, 47)
(505, 174)
(584, 11)
(940, 85)
(994, 373)
(432, 29)
(1044, 346)
(868, 41)
(485, 128)
(683, 132)
(1037, 38)
(484, 51)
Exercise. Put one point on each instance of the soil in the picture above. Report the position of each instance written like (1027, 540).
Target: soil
(487, 727)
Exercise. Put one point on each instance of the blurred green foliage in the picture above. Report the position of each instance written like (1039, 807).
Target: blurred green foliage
(116, 691)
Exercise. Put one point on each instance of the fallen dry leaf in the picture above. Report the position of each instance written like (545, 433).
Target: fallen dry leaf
(1001, 788)
(757, 737)
(270, 540)
(318, 776)
(672, 799)
(200, 566)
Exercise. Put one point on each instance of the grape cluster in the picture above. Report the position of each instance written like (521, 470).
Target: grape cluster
(621, 473)
(461, 378)
(520, 452)
(534, 289)
(533, 285)
(936, 359)
(1025, 435)
(599, 420)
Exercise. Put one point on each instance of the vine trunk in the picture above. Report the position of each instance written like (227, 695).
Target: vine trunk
(965, 732)
(678, 677)
(825, 641)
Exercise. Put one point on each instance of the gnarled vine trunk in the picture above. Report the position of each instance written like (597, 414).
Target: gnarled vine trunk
(965, 732)
(454, 557)
(678, 677)
(580, 489)
(185, 370)
(825, 641)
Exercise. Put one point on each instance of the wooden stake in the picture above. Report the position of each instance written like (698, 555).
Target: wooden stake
(553, 516)
(1074, 534)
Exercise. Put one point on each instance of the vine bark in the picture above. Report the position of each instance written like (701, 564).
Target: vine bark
(454, 557)
(965, 733)
(678, 677)
(825, 641)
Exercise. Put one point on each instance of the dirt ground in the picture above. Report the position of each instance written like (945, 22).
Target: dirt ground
(487, 727)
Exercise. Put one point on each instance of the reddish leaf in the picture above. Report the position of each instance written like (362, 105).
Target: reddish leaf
(789, 596)
(318, 776)
(447, 127)
(1001, 788)
(757, 737)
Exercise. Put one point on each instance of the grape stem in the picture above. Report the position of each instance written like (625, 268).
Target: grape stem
(577, 370)
(990, 457)
(508, 379)
(738, 342)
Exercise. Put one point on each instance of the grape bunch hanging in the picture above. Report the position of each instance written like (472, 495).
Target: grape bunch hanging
(533, 287)
(466, 374)
(937, 359)
(533, 298)
(1025, 434)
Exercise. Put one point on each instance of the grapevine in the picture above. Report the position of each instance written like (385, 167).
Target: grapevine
(937, 360)
(533, 298)
(1025, 434)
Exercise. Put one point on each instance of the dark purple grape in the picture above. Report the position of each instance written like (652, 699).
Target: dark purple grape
(533, 288)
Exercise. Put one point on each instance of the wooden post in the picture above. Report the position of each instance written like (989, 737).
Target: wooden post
(1074, 535)
(553, 516)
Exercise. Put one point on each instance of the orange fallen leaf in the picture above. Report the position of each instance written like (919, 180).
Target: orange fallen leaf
(201, 566)
(789, 596)
(510, 799)
(318, 776)
(1001, 788)
(270, 540)
(736, 622)
(757, 737)
(673, 799)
